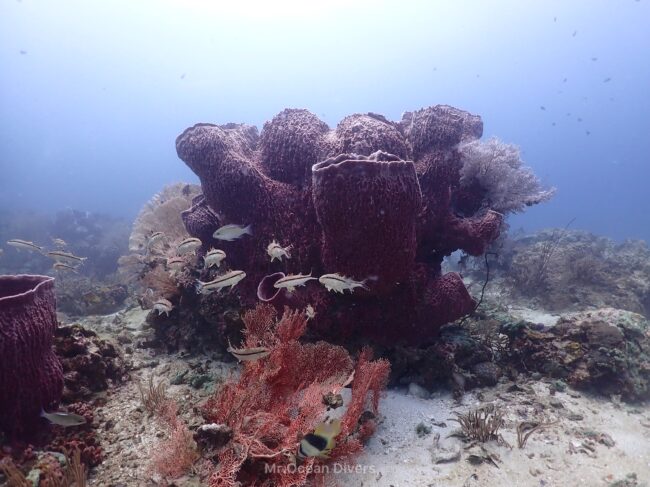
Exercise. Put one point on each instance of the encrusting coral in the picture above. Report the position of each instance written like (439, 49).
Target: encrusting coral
(279, 399)
(372, 200)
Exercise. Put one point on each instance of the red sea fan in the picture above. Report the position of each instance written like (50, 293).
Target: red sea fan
(279, 399)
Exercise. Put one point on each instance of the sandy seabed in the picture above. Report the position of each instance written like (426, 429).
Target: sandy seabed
(593, 441)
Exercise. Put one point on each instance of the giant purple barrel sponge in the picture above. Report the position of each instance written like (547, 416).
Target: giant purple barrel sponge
(31, 376)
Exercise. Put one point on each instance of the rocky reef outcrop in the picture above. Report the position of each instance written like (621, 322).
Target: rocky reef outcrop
(606, 351)
(372, 200)
(569, 270)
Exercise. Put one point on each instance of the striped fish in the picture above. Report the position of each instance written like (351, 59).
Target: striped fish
(175, 263)
(60, 266)
(61, 256)
(213, 257)
(228, 279)
(248, 354)
(339, 283)
(188, 245)
(292, 281)
(24, 245)
(154, 238)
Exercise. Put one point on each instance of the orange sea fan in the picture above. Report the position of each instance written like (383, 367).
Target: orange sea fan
(279, 399)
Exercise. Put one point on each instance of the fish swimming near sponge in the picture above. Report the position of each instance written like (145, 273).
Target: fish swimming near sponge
(61, 418)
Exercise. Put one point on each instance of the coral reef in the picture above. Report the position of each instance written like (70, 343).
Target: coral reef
(81, 296)
(277, 400)
(565, 270)
(373, 199)
(27, 326)
(606, 351)
(90, 364)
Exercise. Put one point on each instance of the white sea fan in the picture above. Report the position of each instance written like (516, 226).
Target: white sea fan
(498, 169)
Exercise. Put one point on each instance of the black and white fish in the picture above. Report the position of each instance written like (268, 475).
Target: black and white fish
(292, 281)
(24, 245)
(65, 257)
(213, 257)
(248, 354)
(321, 442)
(229, 279)
(61, 266)
(188, 245)
(339, 283)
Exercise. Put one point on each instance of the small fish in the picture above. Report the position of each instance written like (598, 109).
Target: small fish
(554, 19)
(163, 305)
(339, 283)
(183, 76)
(23, 52)
(61, 256)
(60, 266)
(321, 441)
(310, 312)
(594, 59)
(575, 33)
(579, 119)
(228, 279)
(59, 242)
(154, 238)
(188, 245)
(292, 281)
(248, 354)
(213, 257)
(588, 132)
(24, 245)
(232, 232)
(565, 80)
(607, 80)
(176, 263)
(64, 419)
(276, 251)
(542, 108)
(553, 124)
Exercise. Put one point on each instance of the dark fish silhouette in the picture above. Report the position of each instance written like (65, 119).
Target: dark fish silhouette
(564, 80)
(579, 119)
(594, 59)
(183, 76)
(607, 80)
(23, 52)
(587, 132)
(575, 32)
(542, 108)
